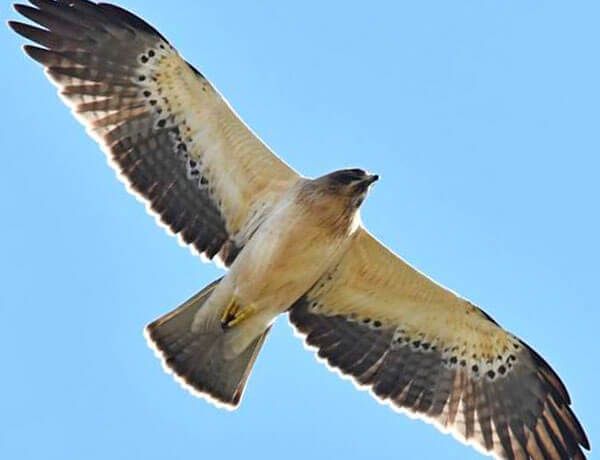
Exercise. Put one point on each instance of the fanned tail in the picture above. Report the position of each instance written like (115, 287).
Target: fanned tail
(197, 359)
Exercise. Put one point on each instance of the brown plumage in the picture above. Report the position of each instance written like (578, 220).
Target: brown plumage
(292, 244)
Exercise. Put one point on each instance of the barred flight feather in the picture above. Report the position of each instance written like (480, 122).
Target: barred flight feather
(459, 370)
(173, 139)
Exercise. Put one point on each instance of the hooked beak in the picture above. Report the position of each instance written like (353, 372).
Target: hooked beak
(365, 183)
(372, 178)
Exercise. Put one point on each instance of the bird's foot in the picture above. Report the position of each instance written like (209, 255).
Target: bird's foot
(235, 313)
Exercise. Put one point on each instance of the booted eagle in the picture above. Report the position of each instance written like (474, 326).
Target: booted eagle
(292, 245)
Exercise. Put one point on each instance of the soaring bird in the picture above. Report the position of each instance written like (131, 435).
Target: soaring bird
(292, 245)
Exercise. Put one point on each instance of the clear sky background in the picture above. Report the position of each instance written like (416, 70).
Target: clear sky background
(482, 118)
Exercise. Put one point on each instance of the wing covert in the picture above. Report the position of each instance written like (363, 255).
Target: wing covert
(166, 130)
(434, 355)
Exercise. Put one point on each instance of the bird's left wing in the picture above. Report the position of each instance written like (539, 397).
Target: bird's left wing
(431, 353)
(167, 131)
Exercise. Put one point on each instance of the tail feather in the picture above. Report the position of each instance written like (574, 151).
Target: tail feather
(198, 360)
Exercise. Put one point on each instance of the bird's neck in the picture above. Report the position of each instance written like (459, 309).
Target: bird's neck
(335, 213)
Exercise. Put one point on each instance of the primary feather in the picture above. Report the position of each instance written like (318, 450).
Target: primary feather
(167, 131)
(433, 354)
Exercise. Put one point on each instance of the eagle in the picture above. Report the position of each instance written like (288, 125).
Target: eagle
(291, 245)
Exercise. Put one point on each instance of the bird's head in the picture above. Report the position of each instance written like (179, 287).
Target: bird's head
(336, 197)
(352, 184)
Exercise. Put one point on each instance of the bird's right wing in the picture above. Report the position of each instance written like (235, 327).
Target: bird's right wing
(167, 131)
(436, 356)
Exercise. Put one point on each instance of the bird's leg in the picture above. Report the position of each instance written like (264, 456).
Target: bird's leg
(234, 313)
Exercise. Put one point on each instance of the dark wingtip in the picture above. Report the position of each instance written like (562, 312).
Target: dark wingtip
(24, 30)
(22, 9)
(129, 18)
(18, 27)
(14, 25)
(36, 53)
(35, 34)
(583, 439)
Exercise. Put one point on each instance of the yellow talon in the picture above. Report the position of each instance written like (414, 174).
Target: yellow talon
(234, 313)
(240, 316)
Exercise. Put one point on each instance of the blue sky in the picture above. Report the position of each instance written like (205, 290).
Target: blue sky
(482, 119)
